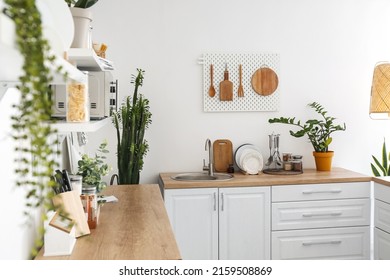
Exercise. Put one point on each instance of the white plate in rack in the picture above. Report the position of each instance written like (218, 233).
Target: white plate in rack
(252, 163)
(248, 159)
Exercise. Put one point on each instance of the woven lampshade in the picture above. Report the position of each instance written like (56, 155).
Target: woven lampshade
(380, 92)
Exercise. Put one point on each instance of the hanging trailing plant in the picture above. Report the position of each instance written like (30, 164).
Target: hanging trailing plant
(31, 127)
(131, 121)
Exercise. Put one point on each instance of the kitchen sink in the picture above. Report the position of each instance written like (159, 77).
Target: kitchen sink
(201, 176)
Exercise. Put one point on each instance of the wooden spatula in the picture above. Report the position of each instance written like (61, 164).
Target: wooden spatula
(240, 92)
(226, 87)
(211, 89)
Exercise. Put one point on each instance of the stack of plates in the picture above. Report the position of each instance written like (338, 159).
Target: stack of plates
(249, 159)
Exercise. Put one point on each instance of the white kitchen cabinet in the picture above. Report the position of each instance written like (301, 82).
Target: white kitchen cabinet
(321, 221)
(244, 223)
(382, 222)
(193, 214)
(221, 223)
(329, 243)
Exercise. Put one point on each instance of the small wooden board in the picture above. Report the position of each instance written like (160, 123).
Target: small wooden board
(223, 154)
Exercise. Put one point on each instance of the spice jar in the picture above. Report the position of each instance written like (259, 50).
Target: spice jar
(77, 102)
(287, 165)
(286, 156)
(297, 163)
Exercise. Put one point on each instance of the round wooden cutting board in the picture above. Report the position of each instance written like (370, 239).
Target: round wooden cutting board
(265, 81)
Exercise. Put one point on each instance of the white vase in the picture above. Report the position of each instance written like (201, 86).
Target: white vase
(82, 23)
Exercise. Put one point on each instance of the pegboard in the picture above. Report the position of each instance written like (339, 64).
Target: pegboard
(251, 101)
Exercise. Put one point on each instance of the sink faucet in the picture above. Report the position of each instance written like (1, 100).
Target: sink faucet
(209, 167)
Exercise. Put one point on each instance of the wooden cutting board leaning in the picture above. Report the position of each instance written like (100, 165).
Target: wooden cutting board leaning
(223, 154)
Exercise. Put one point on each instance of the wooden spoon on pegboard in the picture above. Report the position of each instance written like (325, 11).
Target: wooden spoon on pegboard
(265, 81)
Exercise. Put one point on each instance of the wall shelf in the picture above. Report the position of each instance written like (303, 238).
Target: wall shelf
(64, 127)
(88, 60)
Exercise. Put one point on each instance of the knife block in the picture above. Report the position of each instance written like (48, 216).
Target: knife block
(58, 241)
(71, 204)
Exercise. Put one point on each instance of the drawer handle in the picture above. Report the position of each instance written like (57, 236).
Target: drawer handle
(333, 242)
(223, 202)
(308, 215)
(317, 192)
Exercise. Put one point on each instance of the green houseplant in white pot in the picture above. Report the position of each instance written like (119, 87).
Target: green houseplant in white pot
(319, 133)
(93, 169)
(82, 18)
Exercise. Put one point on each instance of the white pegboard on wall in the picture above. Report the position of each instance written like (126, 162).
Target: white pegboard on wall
(251, 101)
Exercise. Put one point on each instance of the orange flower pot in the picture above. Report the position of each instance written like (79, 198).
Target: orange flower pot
(323, 160)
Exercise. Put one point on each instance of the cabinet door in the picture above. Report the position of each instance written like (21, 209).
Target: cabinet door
(193, 214)
(381, 245)
(244, 223)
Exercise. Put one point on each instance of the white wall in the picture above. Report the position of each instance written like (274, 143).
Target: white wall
(327, 48)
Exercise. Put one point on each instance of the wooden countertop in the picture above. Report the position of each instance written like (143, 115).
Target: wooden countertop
(384, 180)
(309, 176)
(134, 228)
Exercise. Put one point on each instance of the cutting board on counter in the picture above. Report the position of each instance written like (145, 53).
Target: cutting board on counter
(223, 154)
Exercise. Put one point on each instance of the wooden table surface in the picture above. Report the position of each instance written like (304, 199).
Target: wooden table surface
(309, 176)
(134, 228)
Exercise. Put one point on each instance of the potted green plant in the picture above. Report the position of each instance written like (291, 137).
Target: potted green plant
(131, 122)
(318, 131)
(381, 168)
(93, 169)
(82, 18)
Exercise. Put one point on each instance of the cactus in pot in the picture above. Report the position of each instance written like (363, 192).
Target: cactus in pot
(131, 121)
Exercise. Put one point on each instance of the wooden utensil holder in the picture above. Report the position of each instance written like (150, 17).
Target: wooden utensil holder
(70, 203)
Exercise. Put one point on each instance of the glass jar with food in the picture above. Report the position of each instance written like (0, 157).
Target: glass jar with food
(77, 101)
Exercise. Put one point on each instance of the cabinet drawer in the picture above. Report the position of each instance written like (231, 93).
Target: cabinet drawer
(320, 191)
(335, 243)
(320, 214)
(382, 215)
(382, 192)
(381, 245)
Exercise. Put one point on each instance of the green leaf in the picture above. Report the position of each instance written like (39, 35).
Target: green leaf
(384, 157)
(375, 171)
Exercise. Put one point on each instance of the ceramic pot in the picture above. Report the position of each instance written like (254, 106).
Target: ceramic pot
(323, 160)
(82, 19)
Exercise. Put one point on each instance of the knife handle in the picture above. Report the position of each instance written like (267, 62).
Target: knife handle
(66, 178)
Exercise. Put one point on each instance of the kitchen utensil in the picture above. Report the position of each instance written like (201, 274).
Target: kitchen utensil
(73, 154)
(223, 154)
(211, 89)
(60, 181)
(226, 87)
(265, 81)
(240, 91)
(66, 180)
(276, 155)
(270, 143)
